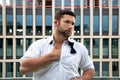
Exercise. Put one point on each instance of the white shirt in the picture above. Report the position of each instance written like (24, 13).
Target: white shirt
(64, 69)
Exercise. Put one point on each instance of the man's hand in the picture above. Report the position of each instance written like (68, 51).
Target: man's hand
(56, 51)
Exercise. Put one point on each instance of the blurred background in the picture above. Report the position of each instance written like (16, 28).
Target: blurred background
(25, 21)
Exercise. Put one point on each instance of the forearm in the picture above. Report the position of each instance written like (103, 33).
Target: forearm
(30, 65)
(88, 74)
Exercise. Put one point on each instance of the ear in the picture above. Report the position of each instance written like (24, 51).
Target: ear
(55, 22)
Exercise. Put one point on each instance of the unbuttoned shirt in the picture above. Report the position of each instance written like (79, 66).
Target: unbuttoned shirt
(68, 65)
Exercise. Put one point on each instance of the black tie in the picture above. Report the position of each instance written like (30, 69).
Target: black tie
(73, 51)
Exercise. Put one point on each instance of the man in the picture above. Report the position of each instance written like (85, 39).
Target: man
(58, 57)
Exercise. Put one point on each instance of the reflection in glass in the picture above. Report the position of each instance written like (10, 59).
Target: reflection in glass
(95, 48)
(96, 25)
(115, 68)
(105, 48)
(18, 3)
(114, 48)
(48, 24)
(77, 26)
(105, 24)
(76, 3)
(19, 48)
(29, 24)
(19, 27)
(86, 25)
(38, 24)
(1, 69)
(9, 24)
(18, 74)
(105, 68)
(115, 24)
(77, 39)
(9, 48)
(9, 69)
(1, 49)
(97, 68)
(115, 3)
(67, 3)
(58, 3)
(0, 24)
(87, 44)
(28, 42)
(105, 3)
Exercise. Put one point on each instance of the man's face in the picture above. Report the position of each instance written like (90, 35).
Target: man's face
(65, 25)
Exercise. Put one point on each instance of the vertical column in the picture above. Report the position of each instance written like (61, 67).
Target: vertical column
(43, 18)
(110, 17)
(53, 14)
(14, 38)
(110, 34)
(62, 4)
(81, 14)
(91, 27)
(119, 34)
(34, 19)
(24, 26)
(72, 8)
(4, 34)
(100, 12)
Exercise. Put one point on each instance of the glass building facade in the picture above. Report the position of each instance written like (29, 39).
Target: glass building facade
(25, 21)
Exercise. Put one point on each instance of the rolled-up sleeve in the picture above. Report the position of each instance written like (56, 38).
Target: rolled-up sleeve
(86, 62)
(33, 51)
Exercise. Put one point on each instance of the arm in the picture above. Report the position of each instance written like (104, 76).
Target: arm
(87, 75)
(30, 65)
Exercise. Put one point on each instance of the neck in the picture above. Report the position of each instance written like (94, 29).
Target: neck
(59, 38)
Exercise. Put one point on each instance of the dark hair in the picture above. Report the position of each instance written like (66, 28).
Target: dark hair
(59, 14)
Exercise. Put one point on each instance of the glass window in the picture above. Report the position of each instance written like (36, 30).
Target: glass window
(115, 24)
(19, 48)
(97, 68)
(28, 42)
(77, 3)
(96, 3)
(1, 49)
(105, 48)
(1, 69)
(67, 3)
(18, 74)
(48, 24)
(96, 48)
(105, 24)
(9, 69)
(86, 3)
(114, 48)
(96, 25)
(18, 3)
(87, 44)
(9, 3)
(9, 48)
(29, 3)
(39, 24)
(29, 24)
(58, 3)
(115, 3)
(38, 3)
(115, 69)
(0, 24)
(105, 68)
(77, 39)
(105, 3)
(86, 26)
(19, 27)
(77, 26)
(9, 24)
